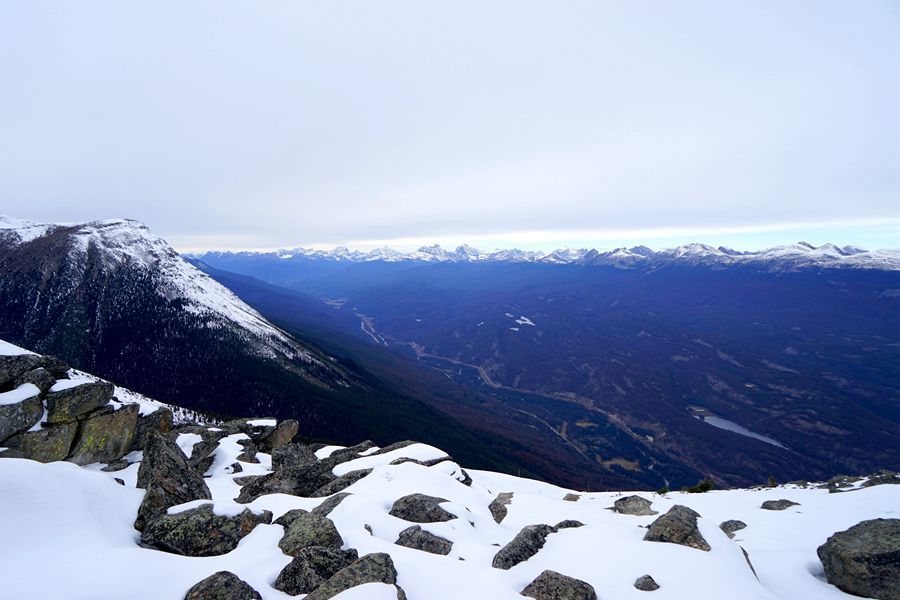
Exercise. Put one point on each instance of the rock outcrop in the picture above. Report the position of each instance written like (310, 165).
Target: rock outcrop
(16, 417)
(678, 526)
(551, 585)
(69, 404)
(865, 559)
(201, 532)
(105, 436)
(311, 568)
(371, 568)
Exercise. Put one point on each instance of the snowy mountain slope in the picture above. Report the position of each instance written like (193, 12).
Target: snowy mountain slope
(76, 524)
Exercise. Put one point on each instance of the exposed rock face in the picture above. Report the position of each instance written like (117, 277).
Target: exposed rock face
(414, 537)
(200, 532)
(311, 568)
(551, 585)
(678, 526)
(283, 433)
(886, 478)
(222, 586)
(645, 583)
(306, 530)
(159, 420)
(324, 509)
(419, 508)
(371, 568)
(498, 506)
(526, 544)
(19, 417)
(167, 477)
(69, 404)
(14, 367)
(865, 559)
(292, 455)
(634, 505)
(732, 525)
(40, 377)
(106, 436)
(44, 445)
(778, 504)
(341, 483)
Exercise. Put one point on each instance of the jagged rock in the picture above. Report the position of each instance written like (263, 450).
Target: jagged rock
(568, 524)
(69, 404)
(425, 463)
(236, 467)
(498, 506)
(305, 530)
(865, 559)
(395, 446)
(14, 367)
(324, 509)
(341, 483)
(634, 505)
(167, 477)
(105, 437)
(419, 508)
(678, 526)
(222, 586)
(778, 504)
(730, 526)
(200, 532)
(882, 479)
(415, 537)
(344, 454)
(21, 416)
(572, 497)
(526, 544)
(283, 433)
(288, 517)
(645, 583)
(467, 479)
(292, 455)
(749, 564)
(52, 443)
(40, 377)
(202, 453)
(159, 420)
(551, 585)
(302, 480)
(246, 479)
(371, 568)
(311, 568)
(249, 453)
(116, 465)
(251, 427)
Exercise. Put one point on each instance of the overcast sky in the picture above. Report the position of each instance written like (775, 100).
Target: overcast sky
(265, 124)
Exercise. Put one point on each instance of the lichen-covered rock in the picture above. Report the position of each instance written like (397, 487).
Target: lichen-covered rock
(292, 455)
(678, 526)
(200, 532)
(341, 483)
(526, 544)
(105, 437)
(778, 504)
(731, 526)
(40, 377)
(49, 444)
(311, 568)
(160, 420)
(167, 477)
(420, 508)
(299, 480)
(17, 417)
(551, 585)
(371, 568)
(634, 505)
(202, 457)
(305, 530)
(498, 506)
(14, 367)
(222, 586)
(415, 537)
(865, 559)
(283, 433)
(69, 404)
(645, 583)
(324, 509)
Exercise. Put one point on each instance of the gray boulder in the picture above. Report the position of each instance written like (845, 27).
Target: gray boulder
(311, 568)
(498, 506)
(526, 544)
(371, 568)
(222, 586)
(645, 583)
(341, 483)
(40, 377)
(414, 537)
(292, 455)
(419, 508)
(160, 420)
(167, 477)
(200, 532)
(21, 416)
(634, 505)
(14, 367)
(305, 530)
(283, 433)
(324, 509)
(678, 526)
(778, 504)
(69, 404)
(49, 444)
(299, 480)
(551, 585)
(731, 526)
(865, 559)
(106, 436)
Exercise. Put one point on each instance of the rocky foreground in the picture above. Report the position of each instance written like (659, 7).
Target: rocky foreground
(149, 505)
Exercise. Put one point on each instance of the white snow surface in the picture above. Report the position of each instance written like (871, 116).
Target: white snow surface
(20, 394)
(7, 349)
(67, 520)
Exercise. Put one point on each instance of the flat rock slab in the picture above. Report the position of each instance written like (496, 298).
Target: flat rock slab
(69, 404)
(865, 559)
(678, 526)
(222, 586)
(551, 585)
(50, 444)
(20, 416)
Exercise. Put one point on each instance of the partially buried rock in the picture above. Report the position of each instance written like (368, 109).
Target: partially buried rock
(69, 404)
(371, 568)
(284, 432)
(106, 436)
(292, 455)
(40, 377)
(419, 508)
(167, 477)
(222, 586)
(498, 506)
(324, 509)
(731, 526)
(645, 583)
(299, 480)
(633, 505)
(159, 420)
(526, 544)
(49, 444)
(305, 530)
(678, 526)
(311, 568)
(865, 559)
(418, 539)
(569, 524)
(200, 532)
(16, 417)
(551, 585)
(778, 504)
(341, 483)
